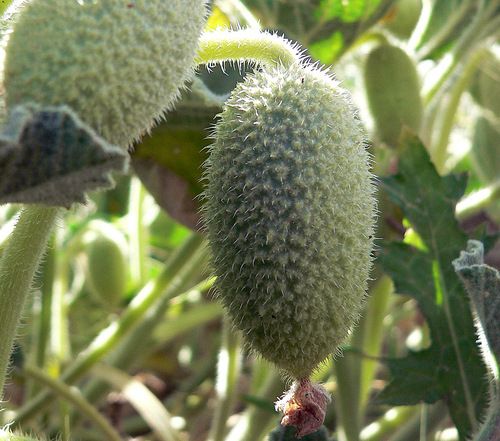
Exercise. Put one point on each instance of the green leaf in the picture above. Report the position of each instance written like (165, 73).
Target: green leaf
(483, 286)
(451, 368)
(48, 156)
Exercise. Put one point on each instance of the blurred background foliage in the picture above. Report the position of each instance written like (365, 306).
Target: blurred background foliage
(123, 320)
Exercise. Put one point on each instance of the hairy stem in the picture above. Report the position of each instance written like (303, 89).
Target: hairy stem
(18, 264)
(246, 45)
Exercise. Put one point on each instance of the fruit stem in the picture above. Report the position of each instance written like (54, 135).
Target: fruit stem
(18, 264)
(246, 45)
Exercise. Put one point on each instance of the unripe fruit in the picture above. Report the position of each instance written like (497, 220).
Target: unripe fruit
(393, 92)
(118, 64)
(106, 263)
(289, 209)
(403, 17)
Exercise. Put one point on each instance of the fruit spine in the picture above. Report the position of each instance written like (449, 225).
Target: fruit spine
(118, 64)
(289, 210)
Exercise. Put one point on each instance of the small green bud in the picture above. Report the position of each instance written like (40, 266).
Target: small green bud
(290, 210)
(106, 262)
(393, 92)
(118, 64)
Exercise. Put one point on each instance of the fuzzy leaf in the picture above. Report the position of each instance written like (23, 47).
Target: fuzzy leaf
(483, 286)
(48, 156)
(451, 368)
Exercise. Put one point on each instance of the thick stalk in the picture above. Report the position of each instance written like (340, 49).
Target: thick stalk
(18, 264)
(110, 337)
(246, 45)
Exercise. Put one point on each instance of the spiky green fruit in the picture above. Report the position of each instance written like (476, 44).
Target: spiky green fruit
(289, 209)
(118, 64)
(393, 92)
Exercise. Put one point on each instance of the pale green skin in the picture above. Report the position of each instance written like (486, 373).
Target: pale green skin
(119, 65)
(393, 92)
(290, 210)
(107, 269)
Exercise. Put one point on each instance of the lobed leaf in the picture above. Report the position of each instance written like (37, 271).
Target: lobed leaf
(452, 368)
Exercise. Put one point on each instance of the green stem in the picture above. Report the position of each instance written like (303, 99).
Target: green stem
(477, 201)
(439, 150)
(444, 32)
(117, 330)
(376, 310)
(140, 343)
(18, 263)
(389, 422)
(228, 369)
(246, 45)
(42, 312)
(59, 345)
(256, 421)
(138, 232)
(347, 399)
(461, 50)
(72, 396)
(411, 430)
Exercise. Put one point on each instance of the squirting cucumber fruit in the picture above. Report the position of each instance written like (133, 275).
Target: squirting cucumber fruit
(119, 65)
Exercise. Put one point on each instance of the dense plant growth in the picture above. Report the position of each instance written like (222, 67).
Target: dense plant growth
(250, 220)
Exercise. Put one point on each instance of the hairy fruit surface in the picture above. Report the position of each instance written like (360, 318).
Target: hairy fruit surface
(118, 64)
(289, 210)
